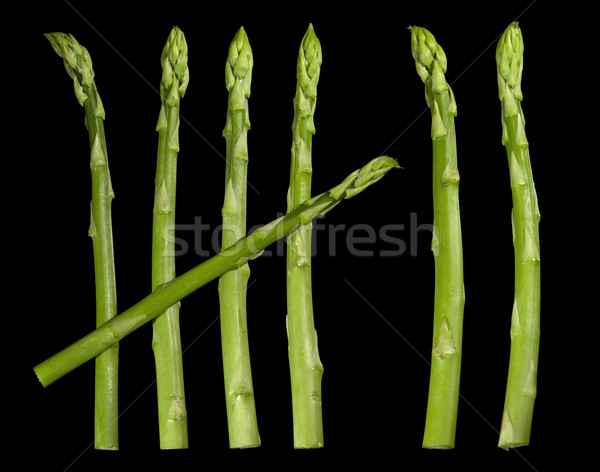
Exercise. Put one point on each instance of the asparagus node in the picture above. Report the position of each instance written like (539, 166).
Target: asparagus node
(442, 405)
(166, 339)
(78, 64)
(306, 368)
(521, 388)
(239, 392)
(230, 258)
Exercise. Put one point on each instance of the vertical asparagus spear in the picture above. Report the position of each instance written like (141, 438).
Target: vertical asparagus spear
(78, 63)
(166, 340)
(442, 406)
(306, 369)
(239, 393)
(521, 387)
(230, 258)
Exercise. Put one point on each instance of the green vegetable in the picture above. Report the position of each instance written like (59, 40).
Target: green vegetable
(78, 64)
(239, 393)
(306, 369)
(442, 406)
(521, 387)
(166, 339)
(232, 257)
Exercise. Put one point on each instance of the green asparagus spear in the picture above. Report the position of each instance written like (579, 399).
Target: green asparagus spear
(166, 339)
(306, 369)
(78, 63)
(521, 387)
(230, 258)
(442, 406)
(239, 393)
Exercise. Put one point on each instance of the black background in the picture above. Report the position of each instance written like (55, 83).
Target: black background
(373, 314)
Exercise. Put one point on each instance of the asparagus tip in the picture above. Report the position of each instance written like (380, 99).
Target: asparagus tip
(310, 57)
(430, 58)
(509, 59)
(76, 59)
(372, 172)
(176, 74)
(239, 63)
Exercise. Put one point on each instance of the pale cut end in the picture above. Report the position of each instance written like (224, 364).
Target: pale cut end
(246, 446)
(39, 378)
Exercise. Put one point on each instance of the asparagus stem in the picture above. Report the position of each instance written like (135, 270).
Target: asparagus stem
(78, 64)
(183, 285)
(306, 369)
(166, 339)
(239, 393)
(442, 405)
(521, 386)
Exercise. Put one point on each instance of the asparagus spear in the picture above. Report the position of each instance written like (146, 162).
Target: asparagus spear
(78, 64)
(521, 387)
(230, 258)
(306, 369)
(442, 406)
(166, 339)
(239, 393)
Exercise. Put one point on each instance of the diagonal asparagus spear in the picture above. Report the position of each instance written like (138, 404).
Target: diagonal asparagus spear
(239, 393)
(233, 257)
(306, 369)
(166, 339)
(521, 387)
(442, 406)
(78, 63)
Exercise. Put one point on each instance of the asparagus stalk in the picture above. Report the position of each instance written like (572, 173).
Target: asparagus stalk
(306, 369)
(521, 386)
(166, 339)
(78, 64)
(239, 393)
(442, 405)
(230, 258)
